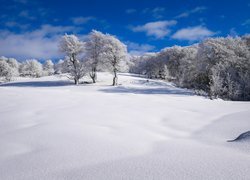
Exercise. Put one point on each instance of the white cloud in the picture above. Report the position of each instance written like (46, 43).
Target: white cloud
(193, 33)
(130, 11)
(138, 49)
(188, 13)
(82, 20)
(41, 43)
(157, 29)
(246, 23)
(12, 24)
(156, 12)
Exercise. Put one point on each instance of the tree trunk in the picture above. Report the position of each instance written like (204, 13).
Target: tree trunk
(76, 81)
(115, 79)
(93, 75)
(93, 79)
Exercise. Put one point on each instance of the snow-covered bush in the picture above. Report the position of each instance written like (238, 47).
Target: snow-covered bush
(73, 47)
(48, 68)
(31, 68)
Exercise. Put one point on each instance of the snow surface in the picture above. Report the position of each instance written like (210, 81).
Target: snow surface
(51, 129)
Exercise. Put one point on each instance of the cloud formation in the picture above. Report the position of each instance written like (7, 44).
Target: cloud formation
(82, 20)
(195, 10)
(195, 33)
(130, 11)
(41, 43)
(156, 12)
(138, 49)
(246, 23)
(157, 29)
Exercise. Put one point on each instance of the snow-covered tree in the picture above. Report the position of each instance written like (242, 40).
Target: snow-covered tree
(9, 68)
(6, 71)
(230, 74)
(114, 53)
(73, 47)
(13, 63)
(48, 68)
(31, 68)
(94, 49)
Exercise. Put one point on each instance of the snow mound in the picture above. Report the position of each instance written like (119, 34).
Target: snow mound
(242, 137)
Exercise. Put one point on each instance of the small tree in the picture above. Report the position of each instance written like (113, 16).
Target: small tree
(73, 47)
(114, 52)
(48, 68)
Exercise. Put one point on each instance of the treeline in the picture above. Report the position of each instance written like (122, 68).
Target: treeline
(216, 67)
(11, 68)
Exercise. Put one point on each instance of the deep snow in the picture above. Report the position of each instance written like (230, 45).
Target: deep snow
(51, 129)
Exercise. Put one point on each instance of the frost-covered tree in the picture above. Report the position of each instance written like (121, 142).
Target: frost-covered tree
(9, 68)
(48, 68)
(219, 67)
(6, 71)
(13, 63)
(73, 47)
(230, 73)
(114, 53)
(31, 68)
(94, 49)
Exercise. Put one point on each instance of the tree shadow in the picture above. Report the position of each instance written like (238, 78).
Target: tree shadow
(37, 84)
(145, 90)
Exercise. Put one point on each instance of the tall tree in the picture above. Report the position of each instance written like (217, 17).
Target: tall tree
(94, 49)
(73, 47)
(114, 53)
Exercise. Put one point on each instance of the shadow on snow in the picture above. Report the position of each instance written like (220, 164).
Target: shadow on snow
(37, 84)
(145, 90)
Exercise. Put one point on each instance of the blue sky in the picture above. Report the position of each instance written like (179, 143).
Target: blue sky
(32, 28)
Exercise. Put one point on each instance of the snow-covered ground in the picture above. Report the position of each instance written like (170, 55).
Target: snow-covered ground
(51, 129)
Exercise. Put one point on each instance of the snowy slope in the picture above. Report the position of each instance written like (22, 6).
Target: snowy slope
(51, 129)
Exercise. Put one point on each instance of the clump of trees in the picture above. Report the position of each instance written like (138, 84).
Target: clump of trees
(99, 52)
(218, 67)
(10, 68)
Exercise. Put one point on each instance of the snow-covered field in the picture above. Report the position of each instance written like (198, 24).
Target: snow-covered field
(51, 129)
